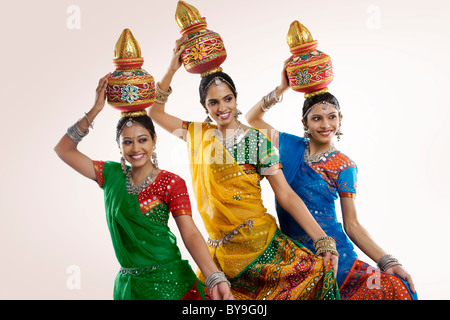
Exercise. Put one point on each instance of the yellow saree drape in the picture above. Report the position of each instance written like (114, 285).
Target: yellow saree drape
(245, 242)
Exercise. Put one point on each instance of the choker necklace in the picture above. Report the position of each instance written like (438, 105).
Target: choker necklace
(132, 188)
(319, 156)
(232, 139)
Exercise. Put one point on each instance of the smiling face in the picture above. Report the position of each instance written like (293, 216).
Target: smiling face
(323, 123)
(221, 105)
(136, 145)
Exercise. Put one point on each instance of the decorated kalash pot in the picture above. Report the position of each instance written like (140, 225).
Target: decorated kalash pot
(204, 49)
(130, 88)
(310, 71)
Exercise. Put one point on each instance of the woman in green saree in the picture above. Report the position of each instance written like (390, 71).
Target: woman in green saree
(138, 201)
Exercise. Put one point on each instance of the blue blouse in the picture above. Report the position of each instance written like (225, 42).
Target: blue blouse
(318, 185)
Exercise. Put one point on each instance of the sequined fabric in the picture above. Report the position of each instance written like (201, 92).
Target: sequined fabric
(152, 267)
(285, 271)
(319, 185)
(226, 183)
(367, 283)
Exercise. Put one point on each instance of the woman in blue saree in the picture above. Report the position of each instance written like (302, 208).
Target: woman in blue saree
(320, 174)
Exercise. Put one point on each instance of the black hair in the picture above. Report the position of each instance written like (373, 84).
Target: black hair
(327, 97)
(205, 83)
(144, 120)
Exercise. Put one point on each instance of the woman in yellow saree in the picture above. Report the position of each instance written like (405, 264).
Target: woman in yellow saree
(244, 240)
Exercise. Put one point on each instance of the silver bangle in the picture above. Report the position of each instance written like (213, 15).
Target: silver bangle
(387, 262)
(269, 100)
(75, 134)
(91, 125)
(216, 278)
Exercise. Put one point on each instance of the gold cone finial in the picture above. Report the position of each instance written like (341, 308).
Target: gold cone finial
(127, 46)
(298, 35)
(186, 14)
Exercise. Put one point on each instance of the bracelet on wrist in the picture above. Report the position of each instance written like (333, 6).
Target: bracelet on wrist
(161, 96)
(325, 244)
(215, 278)
(387, 261)
(269, 100)
(75, 134)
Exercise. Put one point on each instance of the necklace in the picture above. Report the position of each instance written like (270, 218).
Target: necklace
(132, 188)
(232, 139)
(319, 156)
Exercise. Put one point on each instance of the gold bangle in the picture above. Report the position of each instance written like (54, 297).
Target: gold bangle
(161, 96)
(331, 250)
(325, 240)
(325, 244)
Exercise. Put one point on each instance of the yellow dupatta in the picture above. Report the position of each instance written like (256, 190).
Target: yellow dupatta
(229, 202)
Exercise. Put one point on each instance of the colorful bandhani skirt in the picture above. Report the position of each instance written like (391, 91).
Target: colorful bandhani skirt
(367, 283)
(285, 271)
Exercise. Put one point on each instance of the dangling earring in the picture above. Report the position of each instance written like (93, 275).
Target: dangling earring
(208, 120)
(238, 113)
(123, 164)
(339, 133)
(307, 134)
(154, 158)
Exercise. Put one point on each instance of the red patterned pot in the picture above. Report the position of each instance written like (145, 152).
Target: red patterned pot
(309, 71)
(204, 51)
(130, 88)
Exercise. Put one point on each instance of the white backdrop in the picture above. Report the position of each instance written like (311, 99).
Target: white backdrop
(391, 77)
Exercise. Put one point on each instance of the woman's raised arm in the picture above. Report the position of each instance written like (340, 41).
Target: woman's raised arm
(256, 114)
(157, 111)
(67, 147)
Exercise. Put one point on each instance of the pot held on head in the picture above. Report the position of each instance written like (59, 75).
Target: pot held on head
(204, 50)
(130, 88)
(309, 71)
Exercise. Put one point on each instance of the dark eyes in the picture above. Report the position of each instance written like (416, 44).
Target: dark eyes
(332, 117)
(128, 142)
(214, 102)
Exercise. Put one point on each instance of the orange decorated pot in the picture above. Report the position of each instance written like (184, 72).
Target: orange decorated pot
(309, 71)
(130, 88)
(204, 50)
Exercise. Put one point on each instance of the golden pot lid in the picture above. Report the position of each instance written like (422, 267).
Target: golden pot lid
(127, 46)
(186, 14)
(298, 35)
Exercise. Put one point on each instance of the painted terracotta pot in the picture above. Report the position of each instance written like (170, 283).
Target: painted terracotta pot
(130, 88)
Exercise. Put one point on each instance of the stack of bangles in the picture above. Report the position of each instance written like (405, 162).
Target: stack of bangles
(387, 262)
(216, 278)
(161, 95)
(269, 100)
(325, 244)
(74, 132)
